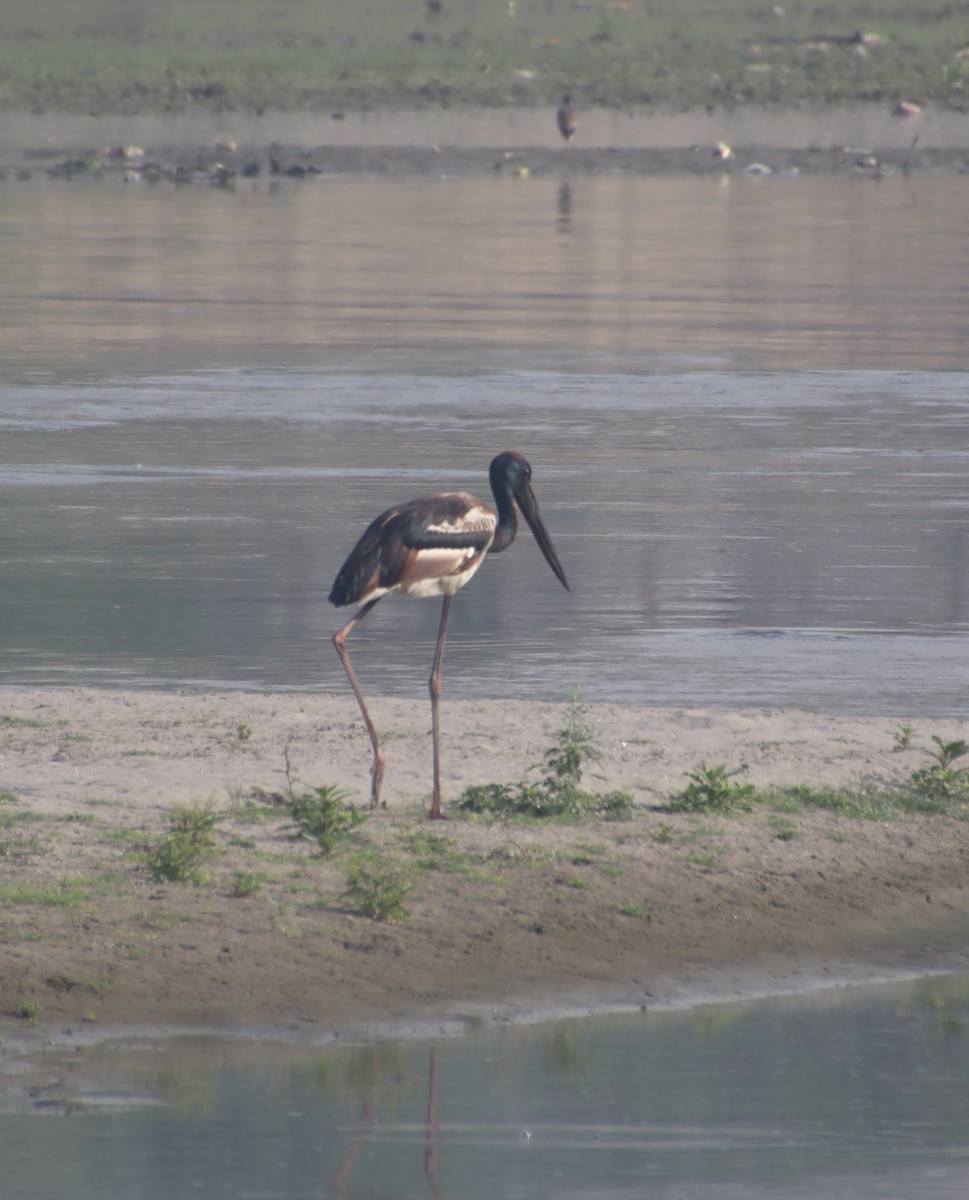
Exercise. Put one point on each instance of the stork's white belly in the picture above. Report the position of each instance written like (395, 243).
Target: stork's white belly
(440, 572)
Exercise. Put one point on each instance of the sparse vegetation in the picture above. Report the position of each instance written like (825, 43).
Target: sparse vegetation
(377, 887)
(248, 883)
(559, 793)
(903, 737)
(861, 803)
(940, 783)
(324, 816)
(939, 787)
(707, 859)
(181, 854)
(785, 829)
(493, 878)
(710, 790)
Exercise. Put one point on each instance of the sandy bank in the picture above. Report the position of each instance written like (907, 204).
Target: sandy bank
(510, 920)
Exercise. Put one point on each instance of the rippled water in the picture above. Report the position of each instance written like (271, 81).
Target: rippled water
(745, 402)
(847, 1094)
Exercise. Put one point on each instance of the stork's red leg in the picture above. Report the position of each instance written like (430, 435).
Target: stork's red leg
(339, 640)
(434, 687)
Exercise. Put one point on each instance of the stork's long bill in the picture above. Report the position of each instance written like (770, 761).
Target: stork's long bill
(529, 510)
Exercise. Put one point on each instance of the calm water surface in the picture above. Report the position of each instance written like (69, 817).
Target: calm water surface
(745, 402)
(842, 1095)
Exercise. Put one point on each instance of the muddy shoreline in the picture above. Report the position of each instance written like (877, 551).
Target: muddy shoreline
(234, 150)
(277, 165)
(506, 922)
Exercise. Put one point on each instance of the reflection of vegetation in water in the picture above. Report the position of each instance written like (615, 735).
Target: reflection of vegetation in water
(946, 997)
(377, 1074)
(324, 54)
(189, 1091)
(562, 1051)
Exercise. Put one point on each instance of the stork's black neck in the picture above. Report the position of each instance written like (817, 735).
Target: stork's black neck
(507, 516)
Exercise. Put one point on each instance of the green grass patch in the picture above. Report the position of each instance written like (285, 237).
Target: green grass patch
(68, 892)
(707, 859)
(19, 722)
(326, 55)
(377, 887)
(257, 807)
(17, 849)
(861, 803)
(181, 854)
(248, 883)
(784, 828)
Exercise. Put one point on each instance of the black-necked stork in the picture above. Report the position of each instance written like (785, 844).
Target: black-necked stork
(567, 119)
(432, 547)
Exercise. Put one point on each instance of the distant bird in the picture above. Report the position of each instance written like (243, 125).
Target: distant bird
(567, 119)
(906, 110)
(432, 547)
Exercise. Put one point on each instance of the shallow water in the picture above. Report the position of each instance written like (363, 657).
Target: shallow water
(846, 1094)
(745, 402)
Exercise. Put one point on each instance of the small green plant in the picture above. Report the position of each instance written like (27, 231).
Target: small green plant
(572, 750)
(247, 883)
(632, 908)
(377, 887)
(707, 859)
(945, 753)
(903, 737)
(30, 1011)
(559, 793)
(573, 881)
(434, 852)
(323, 815)
(940, 783)
(785, 829)
(179, 856)
(710, 790)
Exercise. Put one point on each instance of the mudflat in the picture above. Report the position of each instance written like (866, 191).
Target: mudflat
(507, 919)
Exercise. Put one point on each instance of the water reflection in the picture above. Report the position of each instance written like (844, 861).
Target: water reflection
(769, 274)
(846, 1093)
